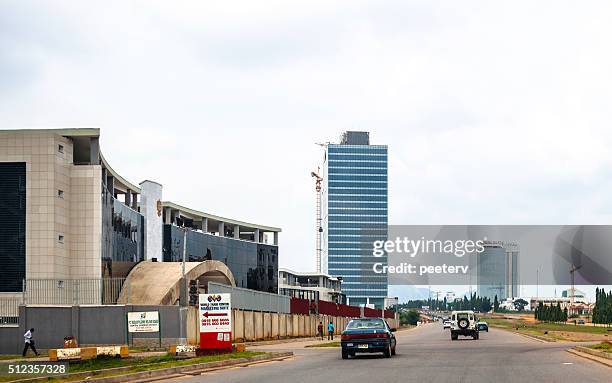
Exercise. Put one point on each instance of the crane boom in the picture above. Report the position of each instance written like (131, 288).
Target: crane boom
(319, 229)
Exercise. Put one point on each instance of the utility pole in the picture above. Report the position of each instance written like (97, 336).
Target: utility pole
(183, 308)
(538, 283)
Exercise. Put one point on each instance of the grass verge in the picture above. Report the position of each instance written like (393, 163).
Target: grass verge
(553, 331)
(135, 365)
(603, 346)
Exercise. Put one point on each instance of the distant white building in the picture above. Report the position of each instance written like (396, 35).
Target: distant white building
(579, 296)
(576, 308)
(310, 286)
(391, 302)
(450, 296)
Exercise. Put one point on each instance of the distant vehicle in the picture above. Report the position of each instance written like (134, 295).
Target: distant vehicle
(368, 335)
(580, 321)
(463, 323)
(446, 324)
(482, 326)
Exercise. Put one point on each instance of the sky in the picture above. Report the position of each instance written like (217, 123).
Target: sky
(494, 112)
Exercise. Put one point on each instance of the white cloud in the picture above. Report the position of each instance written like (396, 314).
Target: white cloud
(494, 113)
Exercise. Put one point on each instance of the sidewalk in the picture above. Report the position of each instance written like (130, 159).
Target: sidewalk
(18, 359)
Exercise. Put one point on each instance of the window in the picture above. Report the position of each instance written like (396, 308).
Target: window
(60, 194)
(365, 324)
(60, 148)
(60, 238)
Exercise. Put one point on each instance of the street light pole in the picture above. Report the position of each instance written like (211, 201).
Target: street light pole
(183, 307)
(184, 249)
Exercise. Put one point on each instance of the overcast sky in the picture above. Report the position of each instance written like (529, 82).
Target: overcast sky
(494, 112)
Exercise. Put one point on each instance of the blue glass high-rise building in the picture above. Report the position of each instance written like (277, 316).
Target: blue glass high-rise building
(354, 214)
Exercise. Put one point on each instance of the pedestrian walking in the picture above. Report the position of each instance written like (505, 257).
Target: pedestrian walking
(320, 330)
(28, 339)
(330, 331)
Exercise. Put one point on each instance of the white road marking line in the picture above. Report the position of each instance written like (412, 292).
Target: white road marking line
(568, 363)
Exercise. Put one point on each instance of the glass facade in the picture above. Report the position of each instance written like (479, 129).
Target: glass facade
(355, 215)
(122, 237)
(12, 226)
(497, 271)
(254, 265)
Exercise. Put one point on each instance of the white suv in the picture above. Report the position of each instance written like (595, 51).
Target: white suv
(463, 323)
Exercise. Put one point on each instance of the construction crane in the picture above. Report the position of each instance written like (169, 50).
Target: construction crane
(319, 228)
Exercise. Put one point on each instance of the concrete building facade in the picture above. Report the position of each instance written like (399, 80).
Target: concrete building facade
(62, 205)
(67, 215)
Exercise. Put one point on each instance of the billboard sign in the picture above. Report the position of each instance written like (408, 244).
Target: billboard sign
(215, 317)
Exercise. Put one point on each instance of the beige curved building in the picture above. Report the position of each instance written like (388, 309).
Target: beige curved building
(159, 283)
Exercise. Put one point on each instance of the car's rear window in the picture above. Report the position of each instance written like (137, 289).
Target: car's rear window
(365, 323)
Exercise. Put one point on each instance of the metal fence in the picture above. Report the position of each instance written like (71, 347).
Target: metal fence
(246, 299)
(72, 291)
(9, 311)
(100, 291)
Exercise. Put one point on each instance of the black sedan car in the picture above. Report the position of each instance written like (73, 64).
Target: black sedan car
(368, 335)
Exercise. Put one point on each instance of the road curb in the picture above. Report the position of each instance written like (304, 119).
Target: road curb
(536, 337)
(605, 360)
(528, 336)
(162, 372)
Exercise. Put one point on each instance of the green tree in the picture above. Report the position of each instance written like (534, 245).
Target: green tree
(602, 312)
(410, 317)
(520, 304)
(495, 304)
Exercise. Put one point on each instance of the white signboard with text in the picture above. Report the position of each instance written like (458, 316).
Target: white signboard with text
(143, 321)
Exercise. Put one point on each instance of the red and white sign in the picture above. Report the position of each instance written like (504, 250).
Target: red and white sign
(215, 321)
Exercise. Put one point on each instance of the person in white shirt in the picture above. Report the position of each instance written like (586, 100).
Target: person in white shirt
(29, 342)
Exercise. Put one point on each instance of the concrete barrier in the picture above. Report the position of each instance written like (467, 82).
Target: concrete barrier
(238, 325)
(274, 328)
(249, 326)
(295, 325)
(181, 349)
(289, 323)
(192, 327)
(267, 326)
(85, 353)
(301, 320)
(259, 325)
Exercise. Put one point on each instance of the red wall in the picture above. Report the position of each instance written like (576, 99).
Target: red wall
(340, 310)
(299, 306)
(302, 306)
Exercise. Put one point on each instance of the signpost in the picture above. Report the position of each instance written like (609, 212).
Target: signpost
(215, 317)
(143, 321)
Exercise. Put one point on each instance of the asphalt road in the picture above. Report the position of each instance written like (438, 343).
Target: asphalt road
(424, 354)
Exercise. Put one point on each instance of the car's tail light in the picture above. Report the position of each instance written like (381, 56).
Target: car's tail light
(363, 336)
